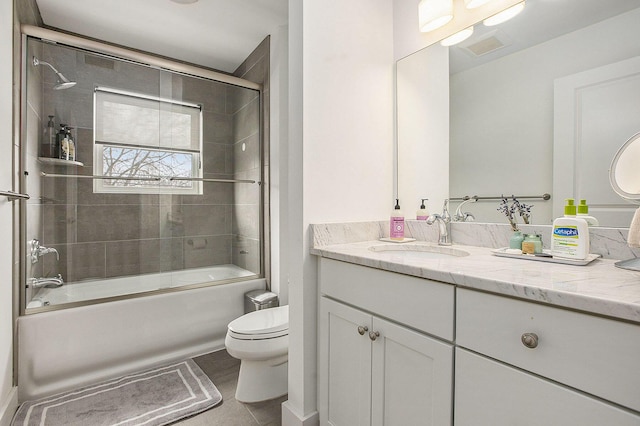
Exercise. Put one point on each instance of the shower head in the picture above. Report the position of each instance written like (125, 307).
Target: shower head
(63, 82)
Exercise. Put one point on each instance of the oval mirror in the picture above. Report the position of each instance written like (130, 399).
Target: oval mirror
(624, 176)
(624, 173)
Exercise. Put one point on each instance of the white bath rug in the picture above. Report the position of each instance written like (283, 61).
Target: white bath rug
(155, 397)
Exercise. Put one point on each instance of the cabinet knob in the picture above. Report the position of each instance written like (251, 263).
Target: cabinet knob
(373, 335)
(362, 330)
(530, 340)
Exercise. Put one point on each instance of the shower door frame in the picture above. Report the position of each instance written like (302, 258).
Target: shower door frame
(145, 59)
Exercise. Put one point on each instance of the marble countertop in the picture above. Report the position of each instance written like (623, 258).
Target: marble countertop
(598, 288)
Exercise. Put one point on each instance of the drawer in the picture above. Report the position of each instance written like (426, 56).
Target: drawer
(593, 354)
(489, 393)
(423, 304)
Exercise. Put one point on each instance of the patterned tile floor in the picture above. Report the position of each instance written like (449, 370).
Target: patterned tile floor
(223, 369)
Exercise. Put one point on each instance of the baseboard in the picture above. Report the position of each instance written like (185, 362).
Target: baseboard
(9, 407)
(290, 418)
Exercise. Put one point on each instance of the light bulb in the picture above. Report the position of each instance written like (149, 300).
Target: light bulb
(457, 37)
(433, 14)
(504, 16)
(472, 4)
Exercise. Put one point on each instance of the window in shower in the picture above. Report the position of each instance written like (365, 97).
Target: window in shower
(146, 144)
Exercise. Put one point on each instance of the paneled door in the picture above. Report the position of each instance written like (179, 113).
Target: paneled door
(595, 113)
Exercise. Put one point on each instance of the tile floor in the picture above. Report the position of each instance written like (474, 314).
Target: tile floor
(223, 369)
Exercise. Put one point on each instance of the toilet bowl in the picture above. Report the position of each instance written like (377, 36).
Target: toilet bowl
(260, 340)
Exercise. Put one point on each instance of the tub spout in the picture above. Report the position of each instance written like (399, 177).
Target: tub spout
(51, 282)
(38, 251)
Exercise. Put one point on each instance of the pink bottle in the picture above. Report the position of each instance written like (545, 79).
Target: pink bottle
(396, 229)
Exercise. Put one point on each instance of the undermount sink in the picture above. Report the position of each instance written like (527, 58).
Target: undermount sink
(417, 251)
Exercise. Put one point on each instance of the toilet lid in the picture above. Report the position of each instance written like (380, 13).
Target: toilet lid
(265, 321)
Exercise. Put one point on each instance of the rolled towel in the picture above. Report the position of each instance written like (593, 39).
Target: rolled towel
(633, 240)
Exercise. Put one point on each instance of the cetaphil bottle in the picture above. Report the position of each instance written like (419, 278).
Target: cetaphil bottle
(570, 235)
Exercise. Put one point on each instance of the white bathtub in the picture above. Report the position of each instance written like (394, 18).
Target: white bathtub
(64, 349)
(111, 287)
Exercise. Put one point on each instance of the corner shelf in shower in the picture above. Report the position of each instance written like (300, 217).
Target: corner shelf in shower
(60, 162)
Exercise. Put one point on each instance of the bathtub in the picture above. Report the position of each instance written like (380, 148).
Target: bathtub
(64, 349)
(113, 287)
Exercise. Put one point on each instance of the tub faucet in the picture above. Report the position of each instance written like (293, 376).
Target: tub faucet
(459, 216)
(444, 225)
(51, 282)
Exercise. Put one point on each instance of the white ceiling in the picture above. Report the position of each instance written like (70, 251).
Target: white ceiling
(217, 34)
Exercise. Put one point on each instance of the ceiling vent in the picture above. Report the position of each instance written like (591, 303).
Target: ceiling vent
(487, 43)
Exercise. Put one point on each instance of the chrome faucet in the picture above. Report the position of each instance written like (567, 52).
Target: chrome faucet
(444, 224)
(459, 216)
(51, 282)
(37, 251)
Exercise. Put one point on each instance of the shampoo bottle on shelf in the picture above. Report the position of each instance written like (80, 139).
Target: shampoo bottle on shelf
(71, 145)
(62, 143)
(396, 222)
(48, 146)
(422, 213)
(583, 213)
(570, 235)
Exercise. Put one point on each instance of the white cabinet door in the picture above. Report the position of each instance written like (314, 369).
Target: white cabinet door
(488, 393)
(412, 377)
(345, 365)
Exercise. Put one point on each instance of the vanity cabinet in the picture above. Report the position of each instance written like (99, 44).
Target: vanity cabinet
(534, 364)
(379, 366)
(387, 346)
(490, 393)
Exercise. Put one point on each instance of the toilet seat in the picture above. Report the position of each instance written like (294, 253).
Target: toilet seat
(264, 324)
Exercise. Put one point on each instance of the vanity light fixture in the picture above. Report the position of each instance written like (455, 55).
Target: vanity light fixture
(457, 37)
(472, 4)
(504, 16)
(433, 14)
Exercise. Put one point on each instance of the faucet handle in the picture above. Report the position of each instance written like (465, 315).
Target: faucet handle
(445, 211)
(34, 250)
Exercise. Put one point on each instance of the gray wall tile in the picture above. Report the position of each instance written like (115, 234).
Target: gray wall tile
(109, 235)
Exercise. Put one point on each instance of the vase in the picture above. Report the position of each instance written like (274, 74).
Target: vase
(515, 242)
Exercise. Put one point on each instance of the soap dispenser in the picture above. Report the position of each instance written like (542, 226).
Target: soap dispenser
(422, 213)
(583, 213)
(396, 231)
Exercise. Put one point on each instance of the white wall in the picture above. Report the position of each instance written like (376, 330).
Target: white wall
(278, 161)
(502, 113)
(6, 217)
(423, 129)
(341, 165)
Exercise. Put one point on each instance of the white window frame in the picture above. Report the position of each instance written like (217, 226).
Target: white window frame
(157, 184)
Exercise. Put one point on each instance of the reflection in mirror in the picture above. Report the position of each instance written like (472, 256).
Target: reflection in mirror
(513, 128)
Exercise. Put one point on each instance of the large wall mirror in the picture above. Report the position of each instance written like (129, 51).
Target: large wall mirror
(539, 104)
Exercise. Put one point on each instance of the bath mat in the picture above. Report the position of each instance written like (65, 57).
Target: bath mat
(155, 397)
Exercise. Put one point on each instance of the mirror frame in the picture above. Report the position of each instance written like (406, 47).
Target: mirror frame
(614, 165)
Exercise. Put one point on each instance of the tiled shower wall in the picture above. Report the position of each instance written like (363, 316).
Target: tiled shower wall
(247, 243)
(108, 235)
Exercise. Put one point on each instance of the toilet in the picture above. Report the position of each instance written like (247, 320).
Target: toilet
(260, 340)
